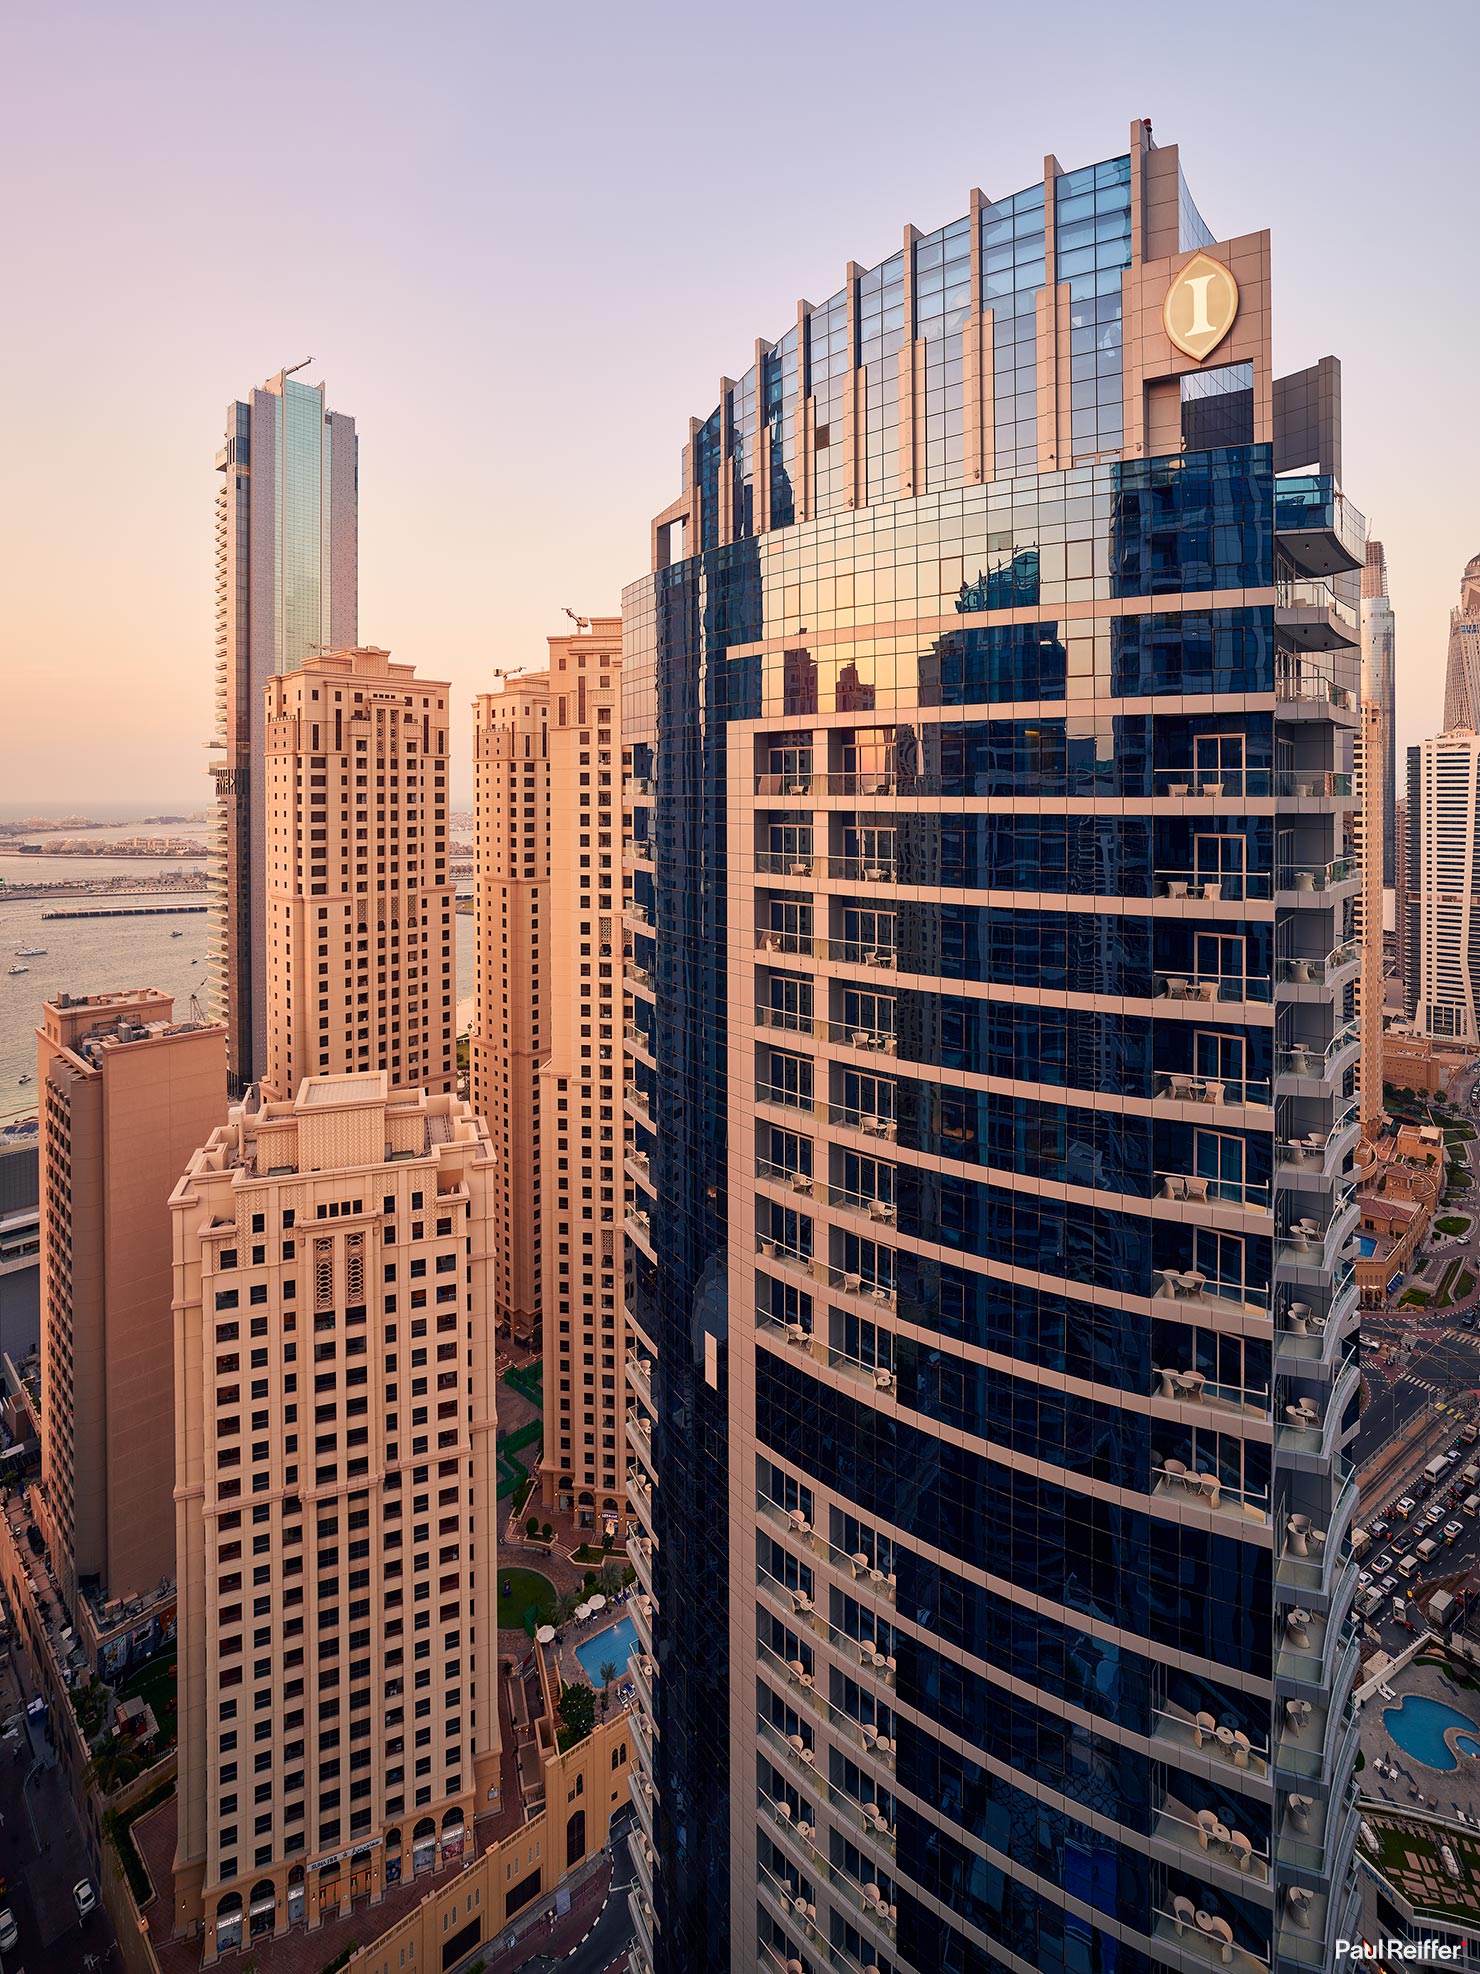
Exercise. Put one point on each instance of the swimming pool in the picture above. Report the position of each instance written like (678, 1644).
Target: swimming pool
(615, 1644)
(1418, 1725)
(1366, 1244)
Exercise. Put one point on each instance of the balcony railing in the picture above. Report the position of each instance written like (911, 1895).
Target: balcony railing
(1297, 972)
(1310, 784)
(1174, 1480)
(1198, 1189)
(1211, 886)
(858, 952)
(880, 1041)
(1187, 780)
(799, 783)
(863, 870)
(1190, 1387)
(783, 863)
(786, 1175)
(1319, 877)
(784, 1018)
(1186, 1088)
(1192, 1285)
(1314, 1060)
(768, 941)
(1324, 531)
(1208, 987)
(867, 1122)
(1308, 687)
(775, 1093)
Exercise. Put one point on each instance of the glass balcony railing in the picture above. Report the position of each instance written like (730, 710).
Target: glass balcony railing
(785, 1018)
(1305, 684)
(1297, 972)
(1201, 1189)
(1311, 1059)
(1210, 886)
(1206, 987)
(1321, 530)
(1183, 1087)
(863, 870)
(878, 1040)
(768, 940)
(783, 863)
(1319, 877)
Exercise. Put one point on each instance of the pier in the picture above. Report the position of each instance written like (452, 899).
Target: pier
(128, 911)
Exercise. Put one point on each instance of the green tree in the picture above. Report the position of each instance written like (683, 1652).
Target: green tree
(609, 1671)
(577, 1709)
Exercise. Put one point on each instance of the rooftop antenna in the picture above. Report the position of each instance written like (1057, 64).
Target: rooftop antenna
(581, 623)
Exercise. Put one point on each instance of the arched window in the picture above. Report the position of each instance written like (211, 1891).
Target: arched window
(229, 1922)
(575, 1838)
(262, 1908)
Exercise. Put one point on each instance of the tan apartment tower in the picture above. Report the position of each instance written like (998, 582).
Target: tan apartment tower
(1369, 757)
(510, 1034)
(359, 905)
(127, 1092)
(582, 1099)
(335, 1502)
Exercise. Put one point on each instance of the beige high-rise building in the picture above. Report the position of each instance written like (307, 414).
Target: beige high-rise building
(127, 1093)
(359, 905)
(509, 1037)
(335, 1502)
(1369, 761)
(582, 1102)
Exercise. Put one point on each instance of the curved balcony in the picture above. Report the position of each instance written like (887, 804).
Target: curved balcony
(1299, 880)
(1317, 526)
(1315, 1062)
(1339, 965)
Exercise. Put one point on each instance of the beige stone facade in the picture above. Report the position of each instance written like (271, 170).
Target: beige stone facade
(1414, 1062)
(581, 1104)
(359, 908)
(126, 1093)
(510, 1031)
(335, 1500)
(1401, 1185)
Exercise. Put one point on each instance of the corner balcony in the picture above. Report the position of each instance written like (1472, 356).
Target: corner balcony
(1204, 989)
(1305, 691)
(1315, 1651)
(1335, 970)
(1298, 882)
(1310, 616)
(1310, 1558)
(1311, 1242)
(1309, 1421)
(1316, 1062)
(1314, 1159)
(1317, 526)
(1311, 785)
(1313, 1334)
(1179, 1086)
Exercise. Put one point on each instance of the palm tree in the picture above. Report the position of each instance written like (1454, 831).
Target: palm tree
(608, 1671)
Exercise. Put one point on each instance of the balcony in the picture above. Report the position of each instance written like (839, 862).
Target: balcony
(867, 1204)
(871, 781)
(1213, 887)
(1196, 1189)
(1310, 616)
(1191, 1285)
(785, 1176)
(1303, 688)
(777, 1093)
(644, 1860)
(863, 1120)
(1202, 989)
(798, 783)
(1217, 1847)
(1305, 878)
(858, 1569)
(1204, 1734)
(1180, 1386)
(1318, 527)
(1200, 1936)
(767, 941)
(782, 863)
(863, 870)
(1307, 1157)
(1175, 1481)
(639, 1367)
(1293, 971)
(786, 1019)
(1185, 1088)
(855, 952)
(637, 977)
(876, 1041)
(1314, 1061)
(1310, 784)
(877, 1377)
(640, 1554)
(641, 1040)
(639, 1229)
(1211, 782)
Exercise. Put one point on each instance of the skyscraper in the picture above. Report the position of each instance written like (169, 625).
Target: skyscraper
(1462, 672)
(1442, 983)
(1379, 684)
(336, 1502)
(1369, 760)
(990, 706)
(358, 935)
(126, 1093)
(286, 587)
(583, 1120)
(509, 1036)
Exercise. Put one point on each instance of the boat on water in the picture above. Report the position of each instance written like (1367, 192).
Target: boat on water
(30, 952)
(24, 1077)
(20, 969)
(177, 935)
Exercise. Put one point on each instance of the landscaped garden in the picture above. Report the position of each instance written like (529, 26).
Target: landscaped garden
(524, 1598)
(1454, 1224)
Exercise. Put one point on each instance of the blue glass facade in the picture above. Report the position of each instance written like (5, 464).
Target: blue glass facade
(994, 962)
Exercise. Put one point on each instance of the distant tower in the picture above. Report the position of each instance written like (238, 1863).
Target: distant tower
(1379, 684)
(1462, 678)
(287, 584)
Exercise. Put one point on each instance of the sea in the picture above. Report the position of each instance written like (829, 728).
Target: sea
(102, 955)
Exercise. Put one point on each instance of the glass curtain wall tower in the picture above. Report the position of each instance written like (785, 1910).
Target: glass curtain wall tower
(287, 585)
(990, 706)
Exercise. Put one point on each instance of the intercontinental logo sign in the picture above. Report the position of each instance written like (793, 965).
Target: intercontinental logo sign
(1200, 306)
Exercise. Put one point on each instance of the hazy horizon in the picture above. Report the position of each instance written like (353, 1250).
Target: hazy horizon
(517, 271)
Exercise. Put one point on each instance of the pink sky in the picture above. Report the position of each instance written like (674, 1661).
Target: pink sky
(523, 244)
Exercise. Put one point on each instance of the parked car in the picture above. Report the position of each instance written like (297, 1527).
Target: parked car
(84, 1898)
(1378, 1529)
(1364, 1577)
(1453, 1531)
(1389, 1584)
(1435, 1514)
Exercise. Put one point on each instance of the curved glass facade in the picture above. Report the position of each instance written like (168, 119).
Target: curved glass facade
(992, 996)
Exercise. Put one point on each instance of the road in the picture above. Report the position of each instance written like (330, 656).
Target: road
(39, 1881)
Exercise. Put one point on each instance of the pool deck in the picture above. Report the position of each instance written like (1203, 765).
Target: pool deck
(1445, 1792)
(572, 1672)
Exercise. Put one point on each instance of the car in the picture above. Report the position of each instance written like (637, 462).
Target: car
(1435, 1514)
(1382, 1565)
(84, 1898)
(9, 1932)
(1406, 1506)
(1453, 1531)
(1378, 1529)
(1389, 1584)
(1364, 1577)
